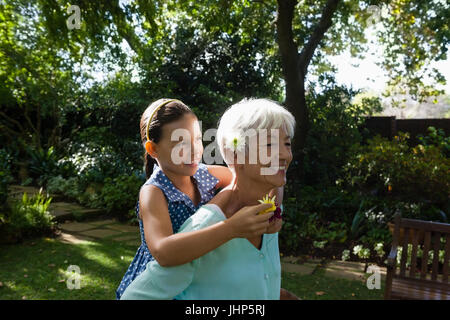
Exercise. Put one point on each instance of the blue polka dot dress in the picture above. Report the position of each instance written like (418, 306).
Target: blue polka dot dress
(180, 207)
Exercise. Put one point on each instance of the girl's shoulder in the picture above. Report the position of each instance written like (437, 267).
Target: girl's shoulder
(150, 193)
(159, 181)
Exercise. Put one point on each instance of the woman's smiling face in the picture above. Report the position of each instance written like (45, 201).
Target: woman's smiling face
(271, 170)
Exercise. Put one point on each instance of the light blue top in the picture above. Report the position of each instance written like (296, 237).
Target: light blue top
(180, 208)
(236, 270)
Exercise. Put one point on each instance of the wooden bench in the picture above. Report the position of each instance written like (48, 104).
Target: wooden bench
(418, 283)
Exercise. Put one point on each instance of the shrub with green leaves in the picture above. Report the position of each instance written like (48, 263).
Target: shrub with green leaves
(436, 137)
(333, 130)
(5, 175)
(42, 164)
(120, 195)
(27, 217)
(69, 188)
(393, 169)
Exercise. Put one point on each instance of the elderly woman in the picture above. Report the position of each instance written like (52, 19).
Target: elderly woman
(242, 268)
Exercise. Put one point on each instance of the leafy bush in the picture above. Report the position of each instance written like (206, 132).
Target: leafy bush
(334, 123)
(316, 214)
(95, 159)
(120, 194)
(393, 169)
(5, 175)
(42, 164)
(70, 188)
(436, 138)
(27, 217)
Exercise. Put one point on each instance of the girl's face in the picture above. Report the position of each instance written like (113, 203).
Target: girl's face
(271, 173)
(180, 148)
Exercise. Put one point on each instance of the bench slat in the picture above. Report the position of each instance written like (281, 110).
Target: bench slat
(404, 253)
(426, 225)
(412, 271)
(436, 247)
(446, 258)
(426, 248)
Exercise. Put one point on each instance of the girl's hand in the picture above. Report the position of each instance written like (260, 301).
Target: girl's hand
(246, 223)
(274, 226)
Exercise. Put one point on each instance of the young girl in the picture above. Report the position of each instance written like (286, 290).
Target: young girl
(175, 191)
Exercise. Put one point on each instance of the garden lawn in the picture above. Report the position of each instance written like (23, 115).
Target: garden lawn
(37, 269)
(319, 287)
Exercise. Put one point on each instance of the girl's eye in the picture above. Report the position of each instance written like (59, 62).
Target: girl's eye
(288, 144)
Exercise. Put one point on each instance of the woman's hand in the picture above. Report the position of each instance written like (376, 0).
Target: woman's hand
(246, 223)
(275, 226)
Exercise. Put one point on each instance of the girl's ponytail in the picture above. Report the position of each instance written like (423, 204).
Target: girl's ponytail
(149, 163)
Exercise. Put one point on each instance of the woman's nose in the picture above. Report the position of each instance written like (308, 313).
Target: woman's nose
(285, 153)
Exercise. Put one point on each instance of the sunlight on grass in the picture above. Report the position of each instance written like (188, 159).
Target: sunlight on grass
(101, 258)
(39, 270)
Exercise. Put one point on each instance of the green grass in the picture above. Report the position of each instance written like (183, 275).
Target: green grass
(319, 287)
(37, 269)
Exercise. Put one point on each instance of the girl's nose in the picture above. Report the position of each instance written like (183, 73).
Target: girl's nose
(197, 150)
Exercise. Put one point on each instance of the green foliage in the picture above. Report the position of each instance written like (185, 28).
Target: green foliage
(116, 195)
(379, 179)
(120, 195)
(70, 187)
(42, 164)
(316, 214)
(413, 35)
(392, 168)
(94, 159)
(36, 79)
(28, 217)
(436, 138)
(334, 129)
(5, 175)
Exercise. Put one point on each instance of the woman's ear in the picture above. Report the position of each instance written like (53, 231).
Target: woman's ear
(150, 147)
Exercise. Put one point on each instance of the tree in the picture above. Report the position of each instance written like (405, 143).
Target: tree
(399, 27)
(293, 38)
(34, 77)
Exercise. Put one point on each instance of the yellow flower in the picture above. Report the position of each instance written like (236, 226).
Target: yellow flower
(266, 199)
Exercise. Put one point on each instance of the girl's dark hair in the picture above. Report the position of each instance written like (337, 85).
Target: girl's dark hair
(168, 113)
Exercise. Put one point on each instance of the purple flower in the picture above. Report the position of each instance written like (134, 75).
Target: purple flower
(276, 215)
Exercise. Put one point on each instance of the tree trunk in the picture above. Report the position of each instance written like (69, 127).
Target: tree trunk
(295, 68)
(295, 81)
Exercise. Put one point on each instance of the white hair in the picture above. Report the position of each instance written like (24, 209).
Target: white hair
(253, 114)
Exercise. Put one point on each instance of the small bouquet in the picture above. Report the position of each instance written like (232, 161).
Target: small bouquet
(274, 207)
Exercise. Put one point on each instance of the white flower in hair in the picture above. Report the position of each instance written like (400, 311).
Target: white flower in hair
(235, 142)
